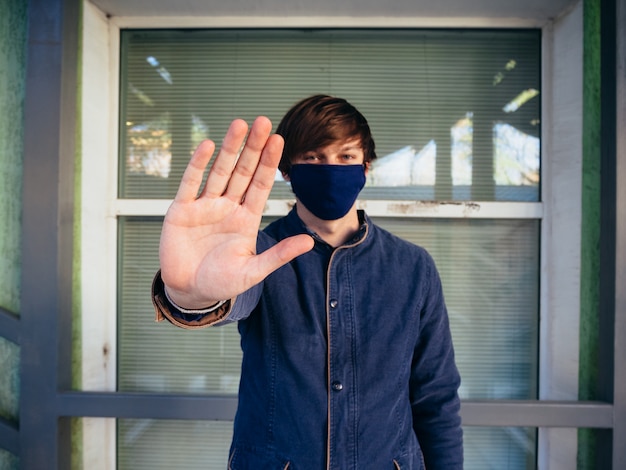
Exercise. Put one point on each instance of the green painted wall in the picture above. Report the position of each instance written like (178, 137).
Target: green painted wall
(13, 32)
(12, 76)
(590, 229)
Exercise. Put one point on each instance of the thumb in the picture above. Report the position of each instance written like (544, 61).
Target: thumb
(283, 252)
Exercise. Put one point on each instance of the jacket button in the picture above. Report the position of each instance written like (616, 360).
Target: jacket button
(333, 303)
(337, 386)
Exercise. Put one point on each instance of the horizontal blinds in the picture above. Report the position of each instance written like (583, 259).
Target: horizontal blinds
(489, 271)
(441, 104)
(499, 448)
(157, 357)
(148, 444)
(490, 276)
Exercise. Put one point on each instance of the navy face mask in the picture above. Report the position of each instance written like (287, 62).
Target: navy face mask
(328, 191)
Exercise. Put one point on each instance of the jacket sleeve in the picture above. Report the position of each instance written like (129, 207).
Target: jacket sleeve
(434, 383)
(231, 311)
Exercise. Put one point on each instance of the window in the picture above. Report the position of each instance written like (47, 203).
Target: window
(456, 119)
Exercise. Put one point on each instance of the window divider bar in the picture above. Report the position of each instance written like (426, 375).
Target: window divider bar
(540, 414)
(497, 413)
(146, 405)
(374, 208)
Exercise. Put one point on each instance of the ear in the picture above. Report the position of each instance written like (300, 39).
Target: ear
(367, 167)
(285, 176)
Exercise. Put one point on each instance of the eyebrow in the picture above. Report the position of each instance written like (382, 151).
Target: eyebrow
(350, 147)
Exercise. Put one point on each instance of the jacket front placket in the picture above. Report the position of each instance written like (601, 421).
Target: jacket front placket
(342, 356)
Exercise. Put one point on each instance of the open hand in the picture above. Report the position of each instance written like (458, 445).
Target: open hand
(208, 242)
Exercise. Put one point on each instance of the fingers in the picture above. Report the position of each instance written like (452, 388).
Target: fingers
(236, 175)
(263, 179)
(248, 164)
(192, 177)
(222, 169)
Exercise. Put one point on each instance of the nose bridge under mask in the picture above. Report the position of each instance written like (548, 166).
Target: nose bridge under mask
(327, 191)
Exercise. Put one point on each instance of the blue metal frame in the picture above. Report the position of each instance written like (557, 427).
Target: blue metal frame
(47, 228)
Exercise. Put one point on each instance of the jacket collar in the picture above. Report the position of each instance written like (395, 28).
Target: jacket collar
(296, 226)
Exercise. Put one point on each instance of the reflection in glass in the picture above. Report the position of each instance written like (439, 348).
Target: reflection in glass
(149, 145)
(517, 157)
(461, 134)
(515, 165)
(148, 150)
(407, 166)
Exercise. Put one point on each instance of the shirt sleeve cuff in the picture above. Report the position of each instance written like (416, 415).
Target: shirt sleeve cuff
(188, 319)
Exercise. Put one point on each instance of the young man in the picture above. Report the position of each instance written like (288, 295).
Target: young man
(348, 362)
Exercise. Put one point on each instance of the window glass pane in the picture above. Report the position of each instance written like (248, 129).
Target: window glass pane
(500, 448)
(490, 275)
(148, 444)
(455, 114)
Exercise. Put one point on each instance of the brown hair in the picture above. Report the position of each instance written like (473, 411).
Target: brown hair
(318, 121)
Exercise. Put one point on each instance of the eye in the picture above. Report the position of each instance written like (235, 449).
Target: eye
(309, 157)
(348, 157)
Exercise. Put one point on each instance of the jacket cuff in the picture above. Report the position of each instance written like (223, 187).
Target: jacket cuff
(165, 310)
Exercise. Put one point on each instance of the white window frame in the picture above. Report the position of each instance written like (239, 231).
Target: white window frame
(559, 210)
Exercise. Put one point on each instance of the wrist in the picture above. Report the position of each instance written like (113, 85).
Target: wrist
(191, 307)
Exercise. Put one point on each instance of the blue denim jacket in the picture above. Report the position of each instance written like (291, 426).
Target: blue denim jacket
(348, 361)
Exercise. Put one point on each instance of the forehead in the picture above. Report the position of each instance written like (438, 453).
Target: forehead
(342, 145)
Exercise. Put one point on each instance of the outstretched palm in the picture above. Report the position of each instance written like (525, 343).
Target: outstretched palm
(208, 242)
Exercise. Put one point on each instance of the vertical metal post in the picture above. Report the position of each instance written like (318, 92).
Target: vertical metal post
(47, 228)
(612, 378)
